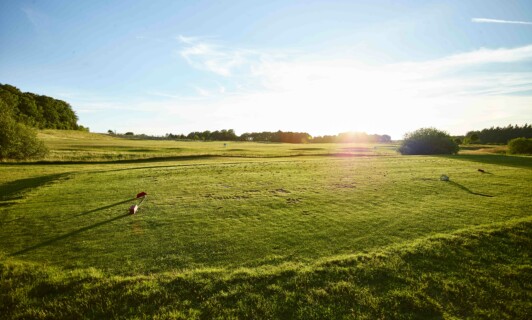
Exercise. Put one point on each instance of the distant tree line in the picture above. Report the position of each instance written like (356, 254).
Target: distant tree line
(278, 136)
(347, 137)
(218, 135)
(37, 111)
(264, 136)
(227, 135)
(499, 135)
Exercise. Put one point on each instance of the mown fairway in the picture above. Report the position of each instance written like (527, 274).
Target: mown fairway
(275, 209)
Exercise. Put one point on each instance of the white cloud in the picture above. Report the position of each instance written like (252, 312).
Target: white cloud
(326, 96)
(484, 20)
(481, 56)
(215, 58)
(187, 40)
(338, 95)
(202, 92)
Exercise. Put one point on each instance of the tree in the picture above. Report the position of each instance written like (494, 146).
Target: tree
(353, 137)
(38, 111)
(17, 141)
(499, 135)
(385, 138)
(428, 141)
(520, 146)
(472, 137)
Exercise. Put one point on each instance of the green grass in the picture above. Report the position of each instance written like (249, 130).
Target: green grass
(77, 146)
(264, 231)
(482, 272)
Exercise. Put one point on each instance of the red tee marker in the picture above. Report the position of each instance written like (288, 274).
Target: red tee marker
(133, 209)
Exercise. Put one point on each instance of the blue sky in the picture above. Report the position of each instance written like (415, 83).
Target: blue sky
(322, 67)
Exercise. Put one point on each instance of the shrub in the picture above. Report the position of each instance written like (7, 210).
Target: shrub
(471, 138)
(18, 141)
(520, 145)
(428, 141)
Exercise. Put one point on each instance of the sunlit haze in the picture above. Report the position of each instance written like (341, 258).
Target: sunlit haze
(323, 67)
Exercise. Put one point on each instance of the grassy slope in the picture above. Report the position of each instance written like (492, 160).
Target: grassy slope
(240, 236)
(218, 212)
(89, 147)
(484, 272)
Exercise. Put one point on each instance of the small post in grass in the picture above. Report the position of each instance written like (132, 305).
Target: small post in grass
(134, 208)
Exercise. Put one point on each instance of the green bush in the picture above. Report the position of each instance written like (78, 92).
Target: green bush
(17, 141)
(520, 146)
(428, 141)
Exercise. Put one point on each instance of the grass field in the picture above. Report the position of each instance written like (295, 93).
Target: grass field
(255, 230)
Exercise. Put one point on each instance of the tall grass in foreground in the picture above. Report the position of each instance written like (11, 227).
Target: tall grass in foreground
(482, 272)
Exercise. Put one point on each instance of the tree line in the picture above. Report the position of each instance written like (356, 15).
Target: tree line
(499, 135)
(265, 136)
(21, 113)
(346, 137)
(228, 135)
(38, 111)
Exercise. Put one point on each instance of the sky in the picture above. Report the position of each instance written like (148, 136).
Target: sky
(322, 67)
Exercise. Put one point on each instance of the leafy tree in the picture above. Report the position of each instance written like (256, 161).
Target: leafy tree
(384, 138)
(17, 141)
(520, 146)
(472, 137)
(428, 141)
(38, 111)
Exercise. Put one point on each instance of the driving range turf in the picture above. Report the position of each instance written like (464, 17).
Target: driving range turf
(254, 230)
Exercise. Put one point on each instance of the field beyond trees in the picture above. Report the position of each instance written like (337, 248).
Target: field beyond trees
(263, 230)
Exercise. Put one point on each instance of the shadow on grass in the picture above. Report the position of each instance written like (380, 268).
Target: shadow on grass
(469, 190)
(120, 161)
(307, 149)
(101, 208)
(191, 157)
(68, 235)
(12, 220)
(503, 160)
(15, 189)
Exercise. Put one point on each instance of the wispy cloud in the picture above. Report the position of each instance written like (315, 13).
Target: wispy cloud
(321, 95)
(485, 20)
(347, 94)
(39, 20)
(202, 92)
(214, 58)
(284, 72)
(478, 57)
